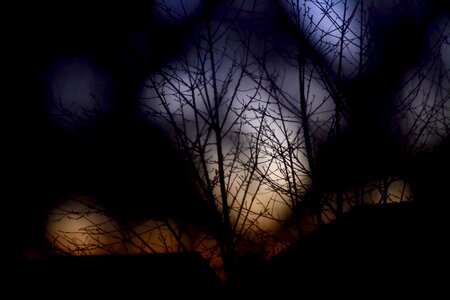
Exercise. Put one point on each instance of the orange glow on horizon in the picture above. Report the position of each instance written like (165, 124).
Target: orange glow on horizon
(79, 226)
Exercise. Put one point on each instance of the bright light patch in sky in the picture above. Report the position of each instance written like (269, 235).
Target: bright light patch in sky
(329, 25)
(153, 236)
(78, 226)
(78, 91)
(397, 191)
(182, 95)
(423, 100)
(391, 190)
(254, 202)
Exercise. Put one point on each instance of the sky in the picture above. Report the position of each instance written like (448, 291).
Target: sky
(102, 63)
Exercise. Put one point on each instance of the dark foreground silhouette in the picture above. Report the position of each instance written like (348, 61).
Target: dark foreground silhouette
(398, 250)
(148, 276)
(395, 250)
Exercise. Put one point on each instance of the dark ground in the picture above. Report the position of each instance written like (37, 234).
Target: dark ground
(399, 250)
(379, 252)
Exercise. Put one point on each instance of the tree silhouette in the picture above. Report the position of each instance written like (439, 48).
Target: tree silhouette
(283, 115)
(205, 101)
(359, 53)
